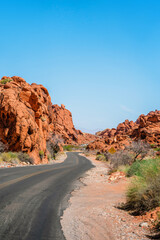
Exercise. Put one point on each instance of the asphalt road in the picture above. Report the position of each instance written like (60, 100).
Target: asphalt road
(33, 198)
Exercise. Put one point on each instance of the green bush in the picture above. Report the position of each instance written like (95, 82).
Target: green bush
(9, 157)
(146, 168)
(14, 157)
(4, 81)
(70, 147)
(101, 157)
(157, 149)
(24, 157)
(143, 193)
(41, 154)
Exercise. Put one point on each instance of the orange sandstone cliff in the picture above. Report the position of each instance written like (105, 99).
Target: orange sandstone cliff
(28, 118)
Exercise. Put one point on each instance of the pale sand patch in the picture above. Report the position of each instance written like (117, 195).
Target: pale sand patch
(92, 215)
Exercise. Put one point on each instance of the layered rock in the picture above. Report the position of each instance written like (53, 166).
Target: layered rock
(28, 118)
(146, 128)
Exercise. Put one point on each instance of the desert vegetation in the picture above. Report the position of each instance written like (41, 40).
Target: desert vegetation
(14, 158)
(71, 147)
(143, 193)
(54, 144)
(140, 163)
(137, 151)
(4, 81)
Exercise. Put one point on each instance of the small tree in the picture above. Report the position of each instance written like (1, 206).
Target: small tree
(139, 149)
(118, 159)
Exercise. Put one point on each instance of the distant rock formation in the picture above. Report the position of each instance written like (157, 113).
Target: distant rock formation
(28, 118)
(146, 128)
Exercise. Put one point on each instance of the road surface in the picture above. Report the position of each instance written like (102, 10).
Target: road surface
(33, 198)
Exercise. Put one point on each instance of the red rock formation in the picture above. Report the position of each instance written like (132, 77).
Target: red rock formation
(28, 118)
(63, 126)
(25, 115)
(146, 128)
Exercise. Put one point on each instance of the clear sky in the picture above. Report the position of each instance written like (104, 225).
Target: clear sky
(101, 58)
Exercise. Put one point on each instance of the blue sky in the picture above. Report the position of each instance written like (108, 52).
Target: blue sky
(100, 58)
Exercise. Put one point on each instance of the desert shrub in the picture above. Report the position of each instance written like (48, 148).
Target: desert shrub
(8, 156)
(41, 154)
(24, 157)
(3, 147)
(15, 157)
(136, 152)
(112, 150)
(144, 167)
(4, 81)
(143, 193)
(53, 145)
(153, 145)
(67, 147)
(157, 149)
(101, 157)
(139, 149)
(70, 147)
(118, 159)
(124, 168)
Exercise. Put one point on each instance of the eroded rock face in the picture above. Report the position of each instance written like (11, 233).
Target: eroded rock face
(28, 118)
(146, 128)
(63, 127)
(25, 116)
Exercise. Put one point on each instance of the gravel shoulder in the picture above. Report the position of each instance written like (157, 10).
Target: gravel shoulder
(92, 212)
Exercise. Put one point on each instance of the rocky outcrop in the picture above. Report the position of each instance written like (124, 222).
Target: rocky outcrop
(25, 116)
(146, 128)
(63, 127)
(28, 118)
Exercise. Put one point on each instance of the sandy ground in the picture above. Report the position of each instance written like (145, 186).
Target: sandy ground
(92, 212)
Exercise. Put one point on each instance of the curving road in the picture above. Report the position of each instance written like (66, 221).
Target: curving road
(33, 198)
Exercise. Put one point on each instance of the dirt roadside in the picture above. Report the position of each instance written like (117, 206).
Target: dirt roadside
(92, 214)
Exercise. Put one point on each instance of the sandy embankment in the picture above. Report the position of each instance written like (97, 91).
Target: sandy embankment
(92, 214)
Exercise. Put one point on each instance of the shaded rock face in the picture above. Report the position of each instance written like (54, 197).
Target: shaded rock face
(28, 118)
(146, 128)
(63, 127)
